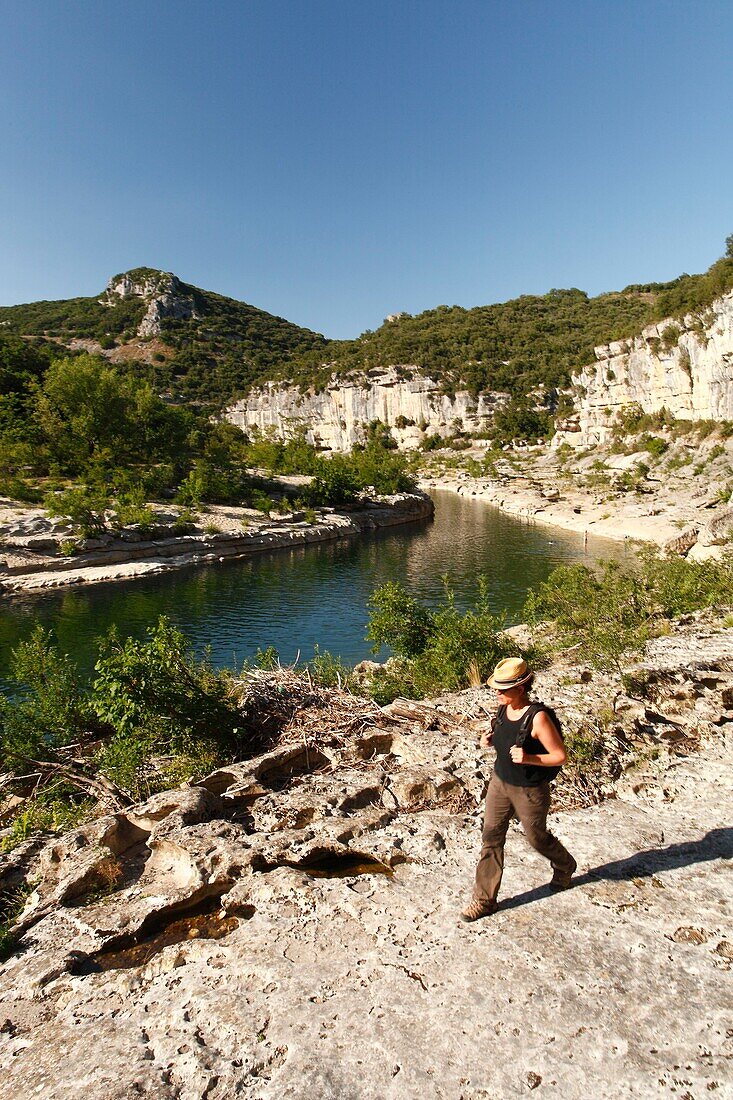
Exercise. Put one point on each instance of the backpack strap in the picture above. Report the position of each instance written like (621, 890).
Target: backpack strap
(526, 725)
(499, 715)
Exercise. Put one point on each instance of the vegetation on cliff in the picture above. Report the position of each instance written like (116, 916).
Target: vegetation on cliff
(226, 347)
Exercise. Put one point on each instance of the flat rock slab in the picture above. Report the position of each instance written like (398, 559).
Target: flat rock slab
(367, 986)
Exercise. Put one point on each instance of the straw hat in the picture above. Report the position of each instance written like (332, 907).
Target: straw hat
(509, 673)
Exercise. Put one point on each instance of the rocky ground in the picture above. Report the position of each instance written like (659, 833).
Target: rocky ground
(289, 926)
(679, 499)
(33, 545)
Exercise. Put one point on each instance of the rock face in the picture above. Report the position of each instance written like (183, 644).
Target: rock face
(684, 366)
(166, 295)
(288, 927)
(337, 417)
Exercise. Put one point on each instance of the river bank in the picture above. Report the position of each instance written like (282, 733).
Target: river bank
(32, 546)
(575, 511)
(678, 499)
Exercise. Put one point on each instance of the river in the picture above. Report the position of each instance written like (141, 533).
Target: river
(295, 599)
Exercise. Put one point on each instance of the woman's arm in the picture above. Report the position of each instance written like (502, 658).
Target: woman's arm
(487, 736)
(545, 732)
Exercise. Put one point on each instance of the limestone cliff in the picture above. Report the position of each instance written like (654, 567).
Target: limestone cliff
(337, 417)
(685, 366)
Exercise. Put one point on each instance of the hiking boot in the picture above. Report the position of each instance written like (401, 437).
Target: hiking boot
(563, 880)
(475, 910)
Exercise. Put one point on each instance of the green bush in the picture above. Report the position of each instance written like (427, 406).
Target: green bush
(160, 684)
(604, 611)
(654, 444)
(11, 906)
(520, 419)
(49, 708)
(131, 509)
(84, 508)
(437, 649)
(676, 586)
(18, 488)
(190, 492)
(613, 610)
(398, 620)
(328, 670)
(153, 710)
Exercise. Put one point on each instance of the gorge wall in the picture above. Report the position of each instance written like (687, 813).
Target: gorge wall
(684, 366)
(337, 417)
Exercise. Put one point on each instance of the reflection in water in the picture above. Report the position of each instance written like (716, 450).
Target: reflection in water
(313, 595)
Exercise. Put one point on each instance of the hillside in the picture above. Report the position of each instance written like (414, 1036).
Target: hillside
(198, 344)
(204, 346)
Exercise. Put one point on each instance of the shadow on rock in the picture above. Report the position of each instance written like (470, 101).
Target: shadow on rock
(717, 844)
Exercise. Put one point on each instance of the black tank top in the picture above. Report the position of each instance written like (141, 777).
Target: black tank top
(505, 736)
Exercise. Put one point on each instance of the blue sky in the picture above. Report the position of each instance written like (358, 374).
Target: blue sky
(333, 161)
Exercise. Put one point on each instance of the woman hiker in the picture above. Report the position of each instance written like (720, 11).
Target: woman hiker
(520, 784)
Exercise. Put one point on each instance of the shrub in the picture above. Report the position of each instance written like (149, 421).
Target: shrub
(437, 650)
(84, 508)
(519, 419)
(18, 488)
(654, 444)
(335, 482)
(398, 620)
(670, 337)
(679, 460)
(153, 710)
(159, 684)
(602, 610)
(49, 709)
(677, 586)
(613, 610)
(131, 509)
(261, 502)
(11, 906)
(329, 671)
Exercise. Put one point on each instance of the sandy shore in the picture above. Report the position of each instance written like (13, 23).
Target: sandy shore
(575, 511)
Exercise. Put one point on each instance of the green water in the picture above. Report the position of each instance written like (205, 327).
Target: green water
(295, 599)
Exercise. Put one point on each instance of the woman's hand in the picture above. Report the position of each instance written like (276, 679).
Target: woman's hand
(549, 738)
(486, 738)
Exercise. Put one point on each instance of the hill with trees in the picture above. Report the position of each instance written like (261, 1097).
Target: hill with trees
(212, 349)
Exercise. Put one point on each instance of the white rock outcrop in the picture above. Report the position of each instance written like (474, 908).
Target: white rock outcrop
(685, 366)
(166, 295)
(337, 417)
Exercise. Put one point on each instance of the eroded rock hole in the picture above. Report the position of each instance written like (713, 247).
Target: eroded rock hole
(205, 920)
(277, 774)
(342, 865)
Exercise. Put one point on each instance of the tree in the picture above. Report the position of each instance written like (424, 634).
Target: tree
(83, 409)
